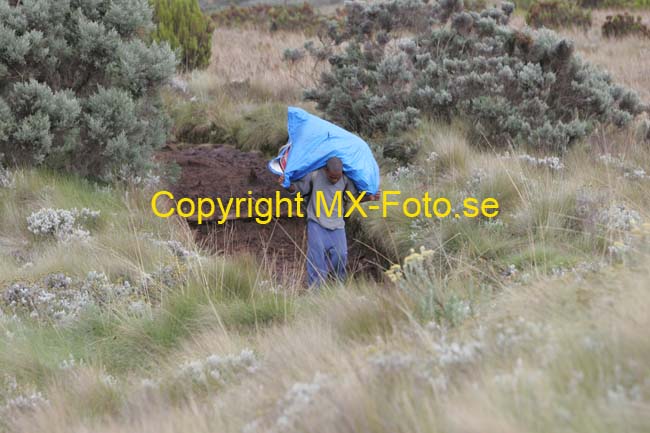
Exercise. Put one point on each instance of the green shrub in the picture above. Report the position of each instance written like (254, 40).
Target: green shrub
(78, 86)
(556, 14)
(622, 25)
(183, 25)
(510, 86)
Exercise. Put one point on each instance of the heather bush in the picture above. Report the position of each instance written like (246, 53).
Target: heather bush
(622, 25)
(78, 85)
(510, 86)
(555, 14)
(186, 28)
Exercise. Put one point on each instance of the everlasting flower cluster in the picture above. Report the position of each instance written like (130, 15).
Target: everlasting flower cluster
(293, 408)
(522, 333)
(626, 389)
(392, 361)
(23, 403)
(174, 246)
(414, 263)
(216, 369)
(435, 366)
(62, 224)
(629, 171)
(126, 174)
(61, 299)
(551, 162)
(417, 279)
(13, 401)
(614, 222)
(519, 375)
(297, 400)
(6, 178)
(619, 218)
(71, 363)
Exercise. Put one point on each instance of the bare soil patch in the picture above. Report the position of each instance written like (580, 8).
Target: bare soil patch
(222, 171)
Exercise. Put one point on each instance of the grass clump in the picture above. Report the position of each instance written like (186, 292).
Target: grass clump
(199, 122)
(249, 127)
(263, 129)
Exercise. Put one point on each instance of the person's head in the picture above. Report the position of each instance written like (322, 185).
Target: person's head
(334, 169)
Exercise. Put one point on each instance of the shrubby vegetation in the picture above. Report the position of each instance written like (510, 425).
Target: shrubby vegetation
(556, 14)
(622, 25)
(78, 85)
(187, 29)
(511, 86)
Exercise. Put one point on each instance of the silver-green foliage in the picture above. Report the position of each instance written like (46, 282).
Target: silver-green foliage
(511, 86)
(78, 85)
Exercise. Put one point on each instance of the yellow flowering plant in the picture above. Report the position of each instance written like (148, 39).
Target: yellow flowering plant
(416, 277)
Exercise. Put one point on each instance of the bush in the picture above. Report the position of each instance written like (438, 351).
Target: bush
(557, 14)
(183, 25)
(512, 87)
(78, 85)
(622, 25)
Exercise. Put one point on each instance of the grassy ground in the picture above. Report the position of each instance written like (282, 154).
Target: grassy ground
(533, 323)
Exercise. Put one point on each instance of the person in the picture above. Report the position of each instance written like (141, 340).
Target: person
(327, 247)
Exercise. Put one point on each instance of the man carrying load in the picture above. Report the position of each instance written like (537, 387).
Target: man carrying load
(327, 248)
(329, 164)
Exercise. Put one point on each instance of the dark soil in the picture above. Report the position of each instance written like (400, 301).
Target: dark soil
(222, 171)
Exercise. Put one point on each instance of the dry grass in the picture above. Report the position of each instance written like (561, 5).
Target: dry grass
(250, 61)
(627, 59)
(566, 352)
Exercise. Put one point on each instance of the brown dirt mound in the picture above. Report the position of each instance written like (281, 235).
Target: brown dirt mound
(221, 171)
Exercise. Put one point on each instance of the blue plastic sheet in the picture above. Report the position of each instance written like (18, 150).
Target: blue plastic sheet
(314, 140)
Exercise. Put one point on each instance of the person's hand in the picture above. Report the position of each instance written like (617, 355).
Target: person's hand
(281, 179)
(375, 197)
(370, 197)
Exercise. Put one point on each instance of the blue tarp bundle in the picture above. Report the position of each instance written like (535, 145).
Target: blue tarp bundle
(314, 140)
